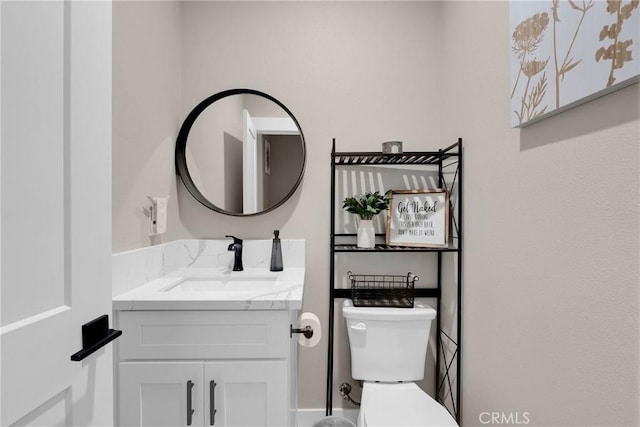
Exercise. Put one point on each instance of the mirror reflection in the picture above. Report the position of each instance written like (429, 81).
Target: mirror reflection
(244, 153)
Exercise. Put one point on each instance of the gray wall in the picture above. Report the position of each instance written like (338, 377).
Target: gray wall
(147, 113)
(286, 152)
(552, 223)
(552, 235)
(215, 136)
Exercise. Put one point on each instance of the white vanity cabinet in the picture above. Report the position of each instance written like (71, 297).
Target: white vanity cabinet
(203, 368)
(156, 393)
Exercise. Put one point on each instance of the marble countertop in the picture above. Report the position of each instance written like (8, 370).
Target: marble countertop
(218, 289)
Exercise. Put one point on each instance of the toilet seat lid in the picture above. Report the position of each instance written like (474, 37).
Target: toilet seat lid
(401, 404)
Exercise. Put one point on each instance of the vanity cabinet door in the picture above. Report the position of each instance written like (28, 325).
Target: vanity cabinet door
(246, 393)
(157, 394)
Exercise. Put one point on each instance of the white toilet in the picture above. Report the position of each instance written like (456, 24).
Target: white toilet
(388, 350)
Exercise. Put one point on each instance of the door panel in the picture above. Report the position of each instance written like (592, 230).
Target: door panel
(26, 386)
(155, 394)
(247, 393)
(240, 396)
(249, 165)
(33, 90)
(34, 300)
(53, 413)
(55, 224)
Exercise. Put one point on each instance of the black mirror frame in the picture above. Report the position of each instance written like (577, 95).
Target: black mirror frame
(181, 146)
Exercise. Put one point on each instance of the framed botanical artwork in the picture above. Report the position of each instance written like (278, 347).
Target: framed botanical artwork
(418, 218)
(568, 52)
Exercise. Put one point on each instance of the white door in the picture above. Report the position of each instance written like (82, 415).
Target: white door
(247, 393)
(249, 165)
(157, 394)
(55, 217)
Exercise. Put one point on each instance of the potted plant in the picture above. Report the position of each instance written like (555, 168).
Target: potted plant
(366, 207)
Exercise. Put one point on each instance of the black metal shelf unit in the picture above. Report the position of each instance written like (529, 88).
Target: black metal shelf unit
(448, 165)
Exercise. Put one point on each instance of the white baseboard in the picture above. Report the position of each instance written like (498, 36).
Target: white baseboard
(306, 417)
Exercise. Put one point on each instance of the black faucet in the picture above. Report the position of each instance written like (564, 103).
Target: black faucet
(236, 247)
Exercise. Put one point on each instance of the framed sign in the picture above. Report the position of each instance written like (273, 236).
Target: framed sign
(418, 218)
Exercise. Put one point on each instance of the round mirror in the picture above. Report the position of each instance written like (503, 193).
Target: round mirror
(241, 152)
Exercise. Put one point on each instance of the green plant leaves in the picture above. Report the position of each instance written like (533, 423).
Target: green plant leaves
(368, 205)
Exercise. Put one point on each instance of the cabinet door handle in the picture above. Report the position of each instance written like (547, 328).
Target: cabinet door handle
(212, 402)
(190, 409)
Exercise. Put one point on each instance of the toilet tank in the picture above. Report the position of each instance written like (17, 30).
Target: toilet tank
(388, 344)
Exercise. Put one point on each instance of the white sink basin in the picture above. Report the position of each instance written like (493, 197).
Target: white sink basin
(233, 282)
(213, 289)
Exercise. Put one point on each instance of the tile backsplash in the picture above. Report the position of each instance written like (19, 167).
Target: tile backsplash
(131, 269)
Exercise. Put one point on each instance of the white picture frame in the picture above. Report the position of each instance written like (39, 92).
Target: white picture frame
(418, 218)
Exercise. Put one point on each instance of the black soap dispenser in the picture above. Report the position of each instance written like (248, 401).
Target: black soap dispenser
(276, 252)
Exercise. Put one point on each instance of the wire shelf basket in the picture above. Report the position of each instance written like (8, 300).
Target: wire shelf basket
(382, 290)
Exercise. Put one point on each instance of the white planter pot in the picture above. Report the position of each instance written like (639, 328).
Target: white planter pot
(366, 234)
